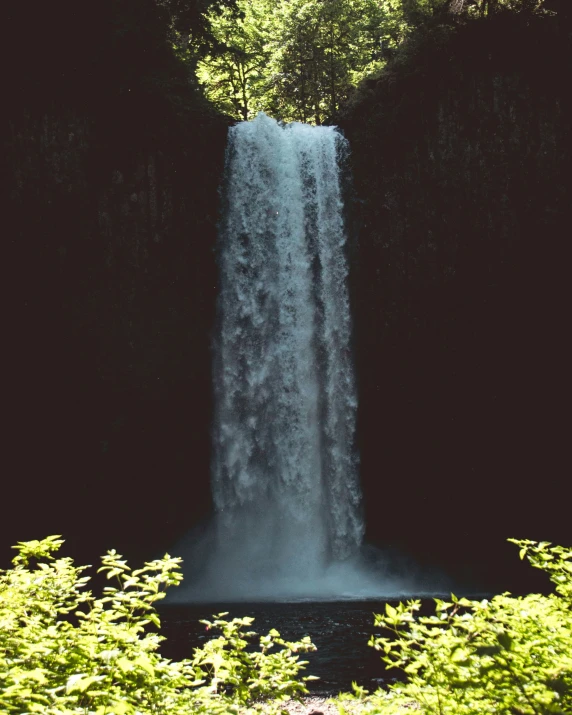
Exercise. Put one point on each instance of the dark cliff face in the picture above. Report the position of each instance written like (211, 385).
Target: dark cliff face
(461, 158)
(112, 161)
(112, 288)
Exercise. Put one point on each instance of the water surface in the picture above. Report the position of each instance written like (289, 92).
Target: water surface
(340, 631)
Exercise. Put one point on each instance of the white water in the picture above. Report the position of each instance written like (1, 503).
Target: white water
(285, 468)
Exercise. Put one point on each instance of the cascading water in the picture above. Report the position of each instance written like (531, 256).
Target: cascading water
(288, 521)
(285, 480)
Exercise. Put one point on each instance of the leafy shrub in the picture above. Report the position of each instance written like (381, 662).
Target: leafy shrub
(504, 655)
(65, 652)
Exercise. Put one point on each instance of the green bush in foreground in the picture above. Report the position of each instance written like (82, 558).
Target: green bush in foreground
(65, 652)
(504, 655)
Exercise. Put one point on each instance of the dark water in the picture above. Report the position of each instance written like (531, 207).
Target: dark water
(340, 631)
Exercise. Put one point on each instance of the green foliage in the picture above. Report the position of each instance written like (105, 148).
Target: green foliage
(504, 655)
(258, 675)
(234, 71)
(296, 59)
(302, 59)
(417, 11)
(325, 49)
(65, 652)
(490, 7)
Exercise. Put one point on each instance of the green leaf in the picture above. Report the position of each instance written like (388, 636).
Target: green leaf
(460, 655)
(505, 640)
(124, 664)
(144, 662)
(120, 707)
(81, 683)
(390, 611)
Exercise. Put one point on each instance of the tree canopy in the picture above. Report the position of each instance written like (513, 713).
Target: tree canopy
(299, 60)
(296, 59)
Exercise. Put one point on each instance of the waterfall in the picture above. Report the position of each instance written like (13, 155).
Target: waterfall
(288, 521)
(285, 469)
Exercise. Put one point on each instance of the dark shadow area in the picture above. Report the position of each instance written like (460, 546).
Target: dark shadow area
(461, 156)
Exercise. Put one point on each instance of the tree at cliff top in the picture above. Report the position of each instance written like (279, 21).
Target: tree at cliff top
(325, 49)
(296, 60)
(234, 71)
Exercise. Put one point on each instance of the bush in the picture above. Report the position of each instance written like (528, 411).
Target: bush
(504, 655)
(65, 652)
